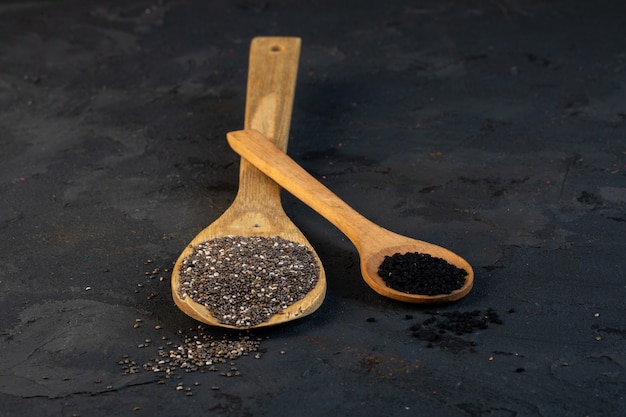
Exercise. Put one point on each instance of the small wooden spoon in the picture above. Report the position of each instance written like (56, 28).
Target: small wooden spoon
(371, 241)
(257, 209)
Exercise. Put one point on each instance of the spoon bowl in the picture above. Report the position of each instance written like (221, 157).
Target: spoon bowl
(257, 209)
(372, 242)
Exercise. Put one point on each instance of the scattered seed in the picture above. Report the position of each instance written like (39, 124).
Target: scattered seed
(199, 351)
(447, 329)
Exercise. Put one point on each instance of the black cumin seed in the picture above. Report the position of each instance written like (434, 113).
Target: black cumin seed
(449, 329)
(419, 273)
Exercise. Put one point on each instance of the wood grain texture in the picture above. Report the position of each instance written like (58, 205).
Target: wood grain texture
(257, 209)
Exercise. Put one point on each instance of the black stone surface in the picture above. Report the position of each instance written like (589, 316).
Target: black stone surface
(493, 128)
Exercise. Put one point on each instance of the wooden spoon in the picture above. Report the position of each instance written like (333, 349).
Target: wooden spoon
(371, 241)
(257, 209)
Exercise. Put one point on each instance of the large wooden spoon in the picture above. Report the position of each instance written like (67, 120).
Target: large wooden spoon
(257, 209)
(371, 241)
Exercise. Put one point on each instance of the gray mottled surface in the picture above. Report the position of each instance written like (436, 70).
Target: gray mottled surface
(494, 128)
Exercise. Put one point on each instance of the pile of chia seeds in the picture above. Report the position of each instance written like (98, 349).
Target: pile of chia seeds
(419, 273)
(197, 351)
(244, 281)
(204, 352)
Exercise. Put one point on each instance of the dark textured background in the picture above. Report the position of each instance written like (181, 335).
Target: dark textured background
(493, 128)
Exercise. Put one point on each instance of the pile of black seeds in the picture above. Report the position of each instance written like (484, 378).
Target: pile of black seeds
(447, 329)
(244, 281)
(420, 273)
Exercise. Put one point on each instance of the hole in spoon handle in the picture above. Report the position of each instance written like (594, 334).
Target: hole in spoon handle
(272, 74)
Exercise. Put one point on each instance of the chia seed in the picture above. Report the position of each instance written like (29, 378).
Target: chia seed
(203, 351)
(244, 281)
(199, 351)
(419, 273)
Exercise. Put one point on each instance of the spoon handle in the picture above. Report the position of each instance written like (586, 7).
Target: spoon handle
(272, 73)
(254, 147)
